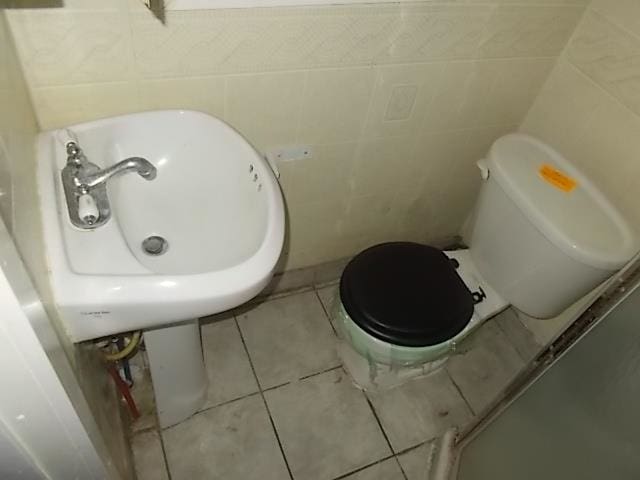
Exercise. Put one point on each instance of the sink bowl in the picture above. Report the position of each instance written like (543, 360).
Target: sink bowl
(215, 204)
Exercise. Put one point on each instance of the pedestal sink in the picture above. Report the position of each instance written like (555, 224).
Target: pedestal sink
(203, 237)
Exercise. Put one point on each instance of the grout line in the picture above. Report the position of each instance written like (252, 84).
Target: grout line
(345, 475)
(328, 283)
(327, 370)
(226, 402)
(404, 474)
(513, 343)
(326, 313)
(275, 387)
(164, 454)
(264, 400)
(375, 414)
(473, 412)
(409, 449)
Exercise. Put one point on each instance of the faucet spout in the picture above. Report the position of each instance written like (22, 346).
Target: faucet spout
(141, 166)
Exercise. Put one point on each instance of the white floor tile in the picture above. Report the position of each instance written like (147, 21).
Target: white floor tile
(148, 457)
(230, 442)
(416, 462)
(327, 297)
(487, 366)
(387, 470)
(420, 410)
(326, 426)
(288, 338)
(226, 363)
(520, 337)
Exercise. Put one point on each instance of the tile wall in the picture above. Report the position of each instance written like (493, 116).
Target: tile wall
(590, 106)
(398, 100)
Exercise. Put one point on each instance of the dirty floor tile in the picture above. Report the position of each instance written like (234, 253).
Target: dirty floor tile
(386, 470)
(288, 338)
(234, 441)
(416, 462)
(148, 456)
(520, 337)
(420, 410)
(326, 426)
(486, 367)
(226, 362)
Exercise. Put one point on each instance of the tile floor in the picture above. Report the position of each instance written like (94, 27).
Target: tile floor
(280, 406)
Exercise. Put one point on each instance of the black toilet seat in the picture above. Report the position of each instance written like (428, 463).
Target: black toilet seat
(406, 294)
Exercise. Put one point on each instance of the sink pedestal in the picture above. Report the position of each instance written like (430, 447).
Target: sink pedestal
(177, 371)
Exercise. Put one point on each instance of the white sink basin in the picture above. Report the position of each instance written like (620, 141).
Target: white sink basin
(214, 199)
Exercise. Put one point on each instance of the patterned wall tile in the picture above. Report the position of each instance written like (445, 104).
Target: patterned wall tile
(69, 47)
(324, 76)
(610, 56)
(521, 31)
(335, 104)
(625, 13)
(424, 33)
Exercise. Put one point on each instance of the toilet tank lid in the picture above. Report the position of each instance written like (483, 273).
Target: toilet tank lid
(561, 202)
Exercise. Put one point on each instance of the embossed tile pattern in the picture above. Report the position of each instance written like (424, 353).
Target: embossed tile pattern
(320, 76)
(608, 54)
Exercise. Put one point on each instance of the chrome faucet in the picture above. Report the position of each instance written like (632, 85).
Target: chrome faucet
(141, 166)
(85, 185)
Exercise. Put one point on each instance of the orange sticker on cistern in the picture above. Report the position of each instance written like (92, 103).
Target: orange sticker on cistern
(556, 178)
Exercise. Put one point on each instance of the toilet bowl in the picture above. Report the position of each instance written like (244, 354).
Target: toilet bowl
(542, 236)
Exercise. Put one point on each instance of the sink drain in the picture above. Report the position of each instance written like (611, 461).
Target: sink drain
(154, 245)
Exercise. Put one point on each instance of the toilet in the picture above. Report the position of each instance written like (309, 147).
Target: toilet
(541, 237)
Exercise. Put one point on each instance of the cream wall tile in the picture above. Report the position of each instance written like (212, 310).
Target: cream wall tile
(60, 106)
(313, 224)
(562, 112)
(335, 104)
(322, 76)
(401, 98)
(375, 216)
(48, 5)
(265, 108)
(588, 107)
(385, 163)
(226, 41)
(326, 176)
(446, 189)
(230, 41)
(609, 56)
(462, 96)
(426, 32)
(625, 13)
(204, 94)
(514, 89)
(517, 31)
(610, 155)
(66, 47)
